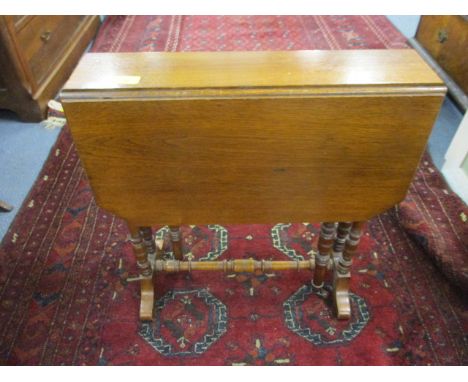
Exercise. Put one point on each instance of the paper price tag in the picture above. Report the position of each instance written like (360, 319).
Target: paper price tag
(128, 80)
(113, 82)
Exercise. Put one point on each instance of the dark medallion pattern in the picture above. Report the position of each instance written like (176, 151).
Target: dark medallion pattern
(309, 314)
(187, 323)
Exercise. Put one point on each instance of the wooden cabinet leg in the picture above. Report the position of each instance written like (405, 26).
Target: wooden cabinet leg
(322, 257)
(145, 273)
(342, 267)
(176, 242)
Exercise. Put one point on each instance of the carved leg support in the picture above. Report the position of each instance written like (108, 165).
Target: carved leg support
(176, 242)
(322, 257)
(342, 271)
(145, 272)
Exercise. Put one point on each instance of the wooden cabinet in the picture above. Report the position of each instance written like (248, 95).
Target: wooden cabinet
(444, 40)
(37, 54)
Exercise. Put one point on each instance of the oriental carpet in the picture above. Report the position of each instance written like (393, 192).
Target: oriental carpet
(64, 263)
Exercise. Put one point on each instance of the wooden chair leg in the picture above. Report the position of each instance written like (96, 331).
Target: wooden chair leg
(176, 242)
(145, 273)
(322, 257)
(342, 269)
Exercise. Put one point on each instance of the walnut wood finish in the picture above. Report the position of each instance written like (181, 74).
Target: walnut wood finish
(237, 72)
(176, 242)
(342, 272)
(37, 54)
(233, 266)
(322, 257)
(342, 233)
(243, 137)
(145, 271)
(253, 137)
(446, 40)
(146, 234)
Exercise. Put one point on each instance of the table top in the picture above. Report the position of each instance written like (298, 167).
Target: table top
(251, 137)
(304, 71)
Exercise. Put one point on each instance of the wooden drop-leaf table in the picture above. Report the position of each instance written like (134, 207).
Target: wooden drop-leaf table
(251, 137)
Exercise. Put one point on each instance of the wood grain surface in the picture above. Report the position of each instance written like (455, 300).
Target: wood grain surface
(257, 137)
(197, 70)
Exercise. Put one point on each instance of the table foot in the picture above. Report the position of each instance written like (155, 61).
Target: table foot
(341, 294)
(147, 300)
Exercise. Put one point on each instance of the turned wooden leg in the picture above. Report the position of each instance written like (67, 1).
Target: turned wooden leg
(176, 241)
(145, 273)
(322, 257)
(152, 252)
(342, 233)
(342, 269)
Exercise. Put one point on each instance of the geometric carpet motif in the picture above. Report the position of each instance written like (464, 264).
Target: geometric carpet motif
(292, 239)
(187, 323)
(64, 263)
(308, 314)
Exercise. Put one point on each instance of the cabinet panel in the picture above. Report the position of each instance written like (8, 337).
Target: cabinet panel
(445, 38)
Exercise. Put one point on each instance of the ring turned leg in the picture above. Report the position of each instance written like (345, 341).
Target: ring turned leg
(145, 272)
(152, 252)
(322, 257)
(176, 242)
(341, 235)
(342, 271)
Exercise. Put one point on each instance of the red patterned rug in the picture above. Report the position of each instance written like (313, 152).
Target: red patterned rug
(64, 298)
